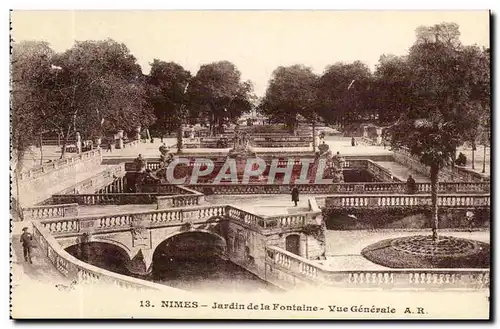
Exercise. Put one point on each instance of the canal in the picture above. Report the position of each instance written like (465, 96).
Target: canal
(206, 272)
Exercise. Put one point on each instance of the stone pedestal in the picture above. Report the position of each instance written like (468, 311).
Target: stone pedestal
(379, 136)
(97, 142)
(164, 202)
(138, 133)
(119, 141)
(78, 143)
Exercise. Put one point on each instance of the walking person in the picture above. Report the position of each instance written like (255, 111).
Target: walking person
(26, 240)
(353, 141)
(295, 195)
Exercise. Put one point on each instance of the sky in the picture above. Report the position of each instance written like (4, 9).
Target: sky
(255, 41)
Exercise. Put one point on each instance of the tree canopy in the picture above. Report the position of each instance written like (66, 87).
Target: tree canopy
(167, 83)
(218, 94)
(291, 92)
(94, 88)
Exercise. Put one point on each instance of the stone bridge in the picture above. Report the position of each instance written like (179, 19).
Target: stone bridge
(231, 232)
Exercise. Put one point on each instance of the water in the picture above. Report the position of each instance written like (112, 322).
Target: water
(207, 274)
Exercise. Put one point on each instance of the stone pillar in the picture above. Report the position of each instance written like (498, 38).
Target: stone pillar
(379, 136)
(78, 143)
(120, 139)
(138, 132)
(303, 246)
(98, 142)
(139, 265)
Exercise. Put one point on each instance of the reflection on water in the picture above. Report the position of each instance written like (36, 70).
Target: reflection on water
(210, 273)
(205, 272)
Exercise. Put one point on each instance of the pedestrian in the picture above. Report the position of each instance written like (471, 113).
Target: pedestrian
(295, 195)
(26, 240)
(411, 185)
(353, 141)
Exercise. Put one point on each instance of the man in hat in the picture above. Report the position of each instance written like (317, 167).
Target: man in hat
(26, 240)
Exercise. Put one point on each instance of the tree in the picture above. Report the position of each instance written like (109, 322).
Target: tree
(392, 85)
(345, 91)
(445, 33)
(98, 88)
(291, 91)
(29, 67)
(217, 93)
(167, 84)
(436, 121)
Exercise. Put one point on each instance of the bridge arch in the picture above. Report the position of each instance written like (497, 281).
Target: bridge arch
(73, 243)
(220, 240)
(182, 252)
(109, 255)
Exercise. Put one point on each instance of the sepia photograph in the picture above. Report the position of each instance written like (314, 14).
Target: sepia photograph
(206, 164)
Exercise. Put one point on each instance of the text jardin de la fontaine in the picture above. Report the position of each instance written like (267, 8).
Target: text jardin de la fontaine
(287, 307)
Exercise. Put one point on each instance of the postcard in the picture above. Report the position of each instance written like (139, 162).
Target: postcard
(250, 164)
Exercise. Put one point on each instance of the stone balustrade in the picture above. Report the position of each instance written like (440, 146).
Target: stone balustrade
(82, 272)
(110, 180)
(173, 201)
(375, 201)
(167, 189)
(269, 223)
(50, 211)
(60, 164)
(341, 188)
(123, 221)
(287, 270)
(449, 174)
(171, 216)
(106, 198)
(381, 173)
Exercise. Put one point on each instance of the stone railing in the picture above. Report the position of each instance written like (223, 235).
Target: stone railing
(123, 221)
(381, 173)
(375, 201)
(374, 168)
(111, 176)
(194, 198)
(341, 188)
(270, 223)
(82, 272)
(282, 141)
(404, 157)
(61, 164)
(151, 165)
(167, 189)
(50, 211)
(288, 270)
(106, 198)
(172, 216)
(282, 162)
